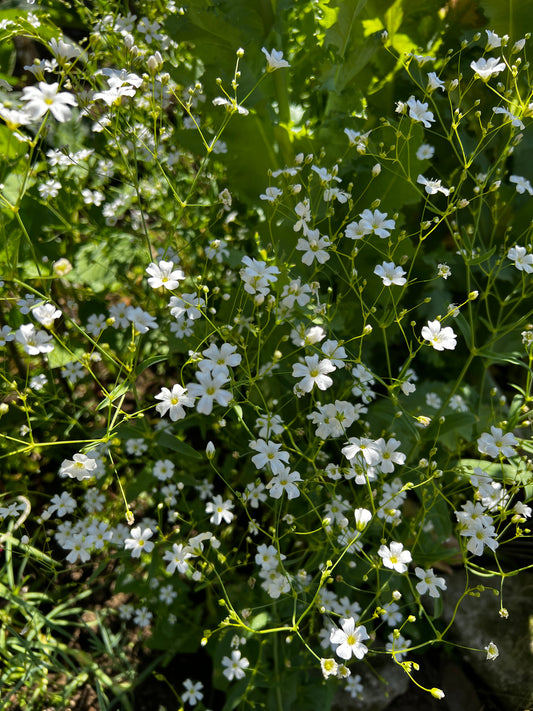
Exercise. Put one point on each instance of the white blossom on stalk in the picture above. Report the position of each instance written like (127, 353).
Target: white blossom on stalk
(440, 338)
(390, 274)
(33, 341)
(220, 510)
(522, 260)
(432, 185)
(314, 372)
(173, 401)
(485, 68)
(79, 467)
(395, 557)
(274, 59)
(349, 639)
(47, 97)
(418, 111)
(164, 274)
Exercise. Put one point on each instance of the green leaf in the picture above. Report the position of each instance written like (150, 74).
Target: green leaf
(169, 441)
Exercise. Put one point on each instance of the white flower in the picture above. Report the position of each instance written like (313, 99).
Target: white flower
(419, 112)
(173, 401)
(235, 666)
(440, 338)
(164, 274)
(314, 247)
(33, 341)
(314, 372)
(141, 320)
(220, 510)
(425, 152)
(376, 222)
(493, 40)
(349, 639)
(284, 482)
(329, 667)
(79, 467)
(192, 693)
(46, 97)
(522, 260)
(390, 274)
(274, 60)
(139, 541)
(208, 389)
(521, 184)
(231, 105)
(497, 443)
(485, 68)
(271, 194)
(46, 314)
(434, 82)
(429, 582)
(432, 186)
(514, 120)
(395, 557)
(492, 651)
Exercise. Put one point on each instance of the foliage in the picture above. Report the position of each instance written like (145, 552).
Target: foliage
(266, 342)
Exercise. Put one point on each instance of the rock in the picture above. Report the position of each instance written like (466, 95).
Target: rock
(509, 677)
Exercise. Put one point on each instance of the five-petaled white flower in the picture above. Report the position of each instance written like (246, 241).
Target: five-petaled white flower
(418, 111)
(485, 68)
(395, 557)
(497, 443)
(47, 97)
(220, 510)
(274, 59)
(164, 274)
(521, 184)
(139, 541)
(79, 467)
(173, 401)
(440, 338)
(284, 482)
(429, 582)
(314, 372)
(432, 185)
(390, 274)
(349, 639)
(522, 260)
(235, 667)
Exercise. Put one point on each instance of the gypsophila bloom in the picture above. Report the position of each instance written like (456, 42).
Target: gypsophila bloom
(34, 341)
(493, 40)
(419, 112)
(485, 68)
(164, 274)
(522, 260)
(314, 372)
(220, 510)
(440, 338)
(274, 60)
(444, 271)
(432, 186)
(173, 401)
(390, 274)
(139, 541)
(395, 557)
(235, 667)
(376, 222)
(521, 184)
(425, 152)
(193, 692)
(47, 97)
(349, 639)
(329, 667)
(79, 467)
(46, 314)
(429, 582)
(497, 443)
(492, 651)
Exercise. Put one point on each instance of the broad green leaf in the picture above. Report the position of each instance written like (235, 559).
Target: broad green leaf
(169, 441)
